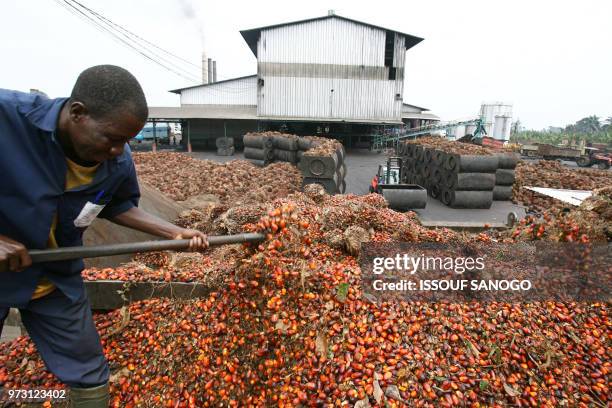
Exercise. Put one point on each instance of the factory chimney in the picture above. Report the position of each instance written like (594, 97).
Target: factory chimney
(210, 71)
(204, 68)
(214, 71)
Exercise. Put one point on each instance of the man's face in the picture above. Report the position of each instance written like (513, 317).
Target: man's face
(101, 139)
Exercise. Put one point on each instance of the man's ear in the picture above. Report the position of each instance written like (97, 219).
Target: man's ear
(77, 111)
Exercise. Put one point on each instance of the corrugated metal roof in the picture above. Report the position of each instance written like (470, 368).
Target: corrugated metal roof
(203, 112)
(416, 107)
(330, 120)
(573, 197)
(252, 35)
(411, 115)
(237, 112)
(178, 91)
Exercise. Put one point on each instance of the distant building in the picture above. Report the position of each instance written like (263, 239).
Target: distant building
(330, 76)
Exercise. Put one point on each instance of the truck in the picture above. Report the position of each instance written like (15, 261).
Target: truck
(388, 183)
(594, 156)
(163, 131)
(584, 157)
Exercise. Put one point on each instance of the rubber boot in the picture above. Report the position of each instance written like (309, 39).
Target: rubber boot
(96, 397)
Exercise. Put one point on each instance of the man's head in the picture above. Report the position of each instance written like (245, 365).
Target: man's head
(107, 108)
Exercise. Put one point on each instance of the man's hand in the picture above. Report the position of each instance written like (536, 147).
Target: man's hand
(199, 240)
(13, 255)
(142, 221)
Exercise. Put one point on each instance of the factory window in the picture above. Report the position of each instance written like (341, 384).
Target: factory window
(389, 48)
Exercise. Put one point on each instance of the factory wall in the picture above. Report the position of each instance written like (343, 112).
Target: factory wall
(303, 73)
(235, 92)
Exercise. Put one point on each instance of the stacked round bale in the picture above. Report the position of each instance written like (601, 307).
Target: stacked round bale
(225, 146)
(321, 161)
(460, 175)
(505, 176)
(286, 147)
(259, 148)
(263, 148)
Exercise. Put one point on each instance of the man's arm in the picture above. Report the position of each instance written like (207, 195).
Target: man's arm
(141, 220)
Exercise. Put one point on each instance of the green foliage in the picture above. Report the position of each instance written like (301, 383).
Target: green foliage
(534, 136)
(590, 129)
(342, 291)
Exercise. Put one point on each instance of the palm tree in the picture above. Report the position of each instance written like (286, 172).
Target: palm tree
(589, 124)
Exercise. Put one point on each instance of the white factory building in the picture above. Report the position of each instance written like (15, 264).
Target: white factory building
(328, 76)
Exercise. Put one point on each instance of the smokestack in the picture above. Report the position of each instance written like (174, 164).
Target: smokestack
(210, 71)
(214, 71)
(204, 68)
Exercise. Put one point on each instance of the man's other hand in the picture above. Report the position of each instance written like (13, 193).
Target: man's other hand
(13, 255)
(198, 240)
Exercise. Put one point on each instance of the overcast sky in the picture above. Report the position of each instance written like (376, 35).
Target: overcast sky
(552, 59)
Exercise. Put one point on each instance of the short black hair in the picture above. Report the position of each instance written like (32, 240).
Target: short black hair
(108, 89)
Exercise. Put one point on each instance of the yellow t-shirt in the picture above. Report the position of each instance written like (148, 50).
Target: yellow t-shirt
(76, 176)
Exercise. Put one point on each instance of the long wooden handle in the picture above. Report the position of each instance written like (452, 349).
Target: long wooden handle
(69, 253)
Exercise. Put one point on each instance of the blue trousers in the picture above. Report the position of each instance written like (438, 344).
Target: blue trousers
(66, 338)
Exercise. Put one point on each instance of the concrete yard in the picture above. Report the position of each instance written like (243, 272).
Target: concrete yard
(361, 166)
(437, 214)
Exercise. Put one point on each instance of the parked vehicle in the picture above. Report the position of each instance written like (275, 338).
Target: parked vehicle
(163, 132)
(596, 157)
(388, 183)
(584, 157)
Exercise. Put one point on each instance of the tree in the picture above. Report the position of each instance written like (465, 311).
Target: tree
(588, 125)
(516, 127)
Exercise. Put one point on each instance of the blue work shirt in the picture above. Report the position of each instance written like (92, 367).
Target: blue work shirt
(32, 192)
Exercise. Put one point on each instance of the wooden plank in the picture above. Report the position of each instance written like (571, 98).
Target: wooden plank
(107, 294)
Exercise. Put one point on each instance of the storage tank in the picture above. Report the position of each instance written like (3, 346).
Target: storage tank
(502, 128)
(507, 127)
(459, 131)
(498, 127)
(489, 112)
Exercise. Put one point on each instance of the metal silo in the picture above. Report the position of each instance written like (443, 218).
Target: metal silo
(489, 112)
(459, 131)
(498, 127)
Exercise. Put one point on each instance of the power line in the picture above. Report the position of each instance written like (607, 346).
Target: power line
(133, 41)
(76, 11)
(101, 17)
(137, 47)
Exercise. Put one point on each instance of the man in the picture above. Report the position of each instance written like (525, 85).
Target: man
(62, 163)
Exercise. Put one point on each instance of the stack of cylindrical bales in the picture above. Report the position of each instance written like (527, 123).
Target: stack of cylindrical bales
(266, 147)
(259, 148)
(225, 146)
(505, 176)
(460, 175)
(286, 147)
(321, 161)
